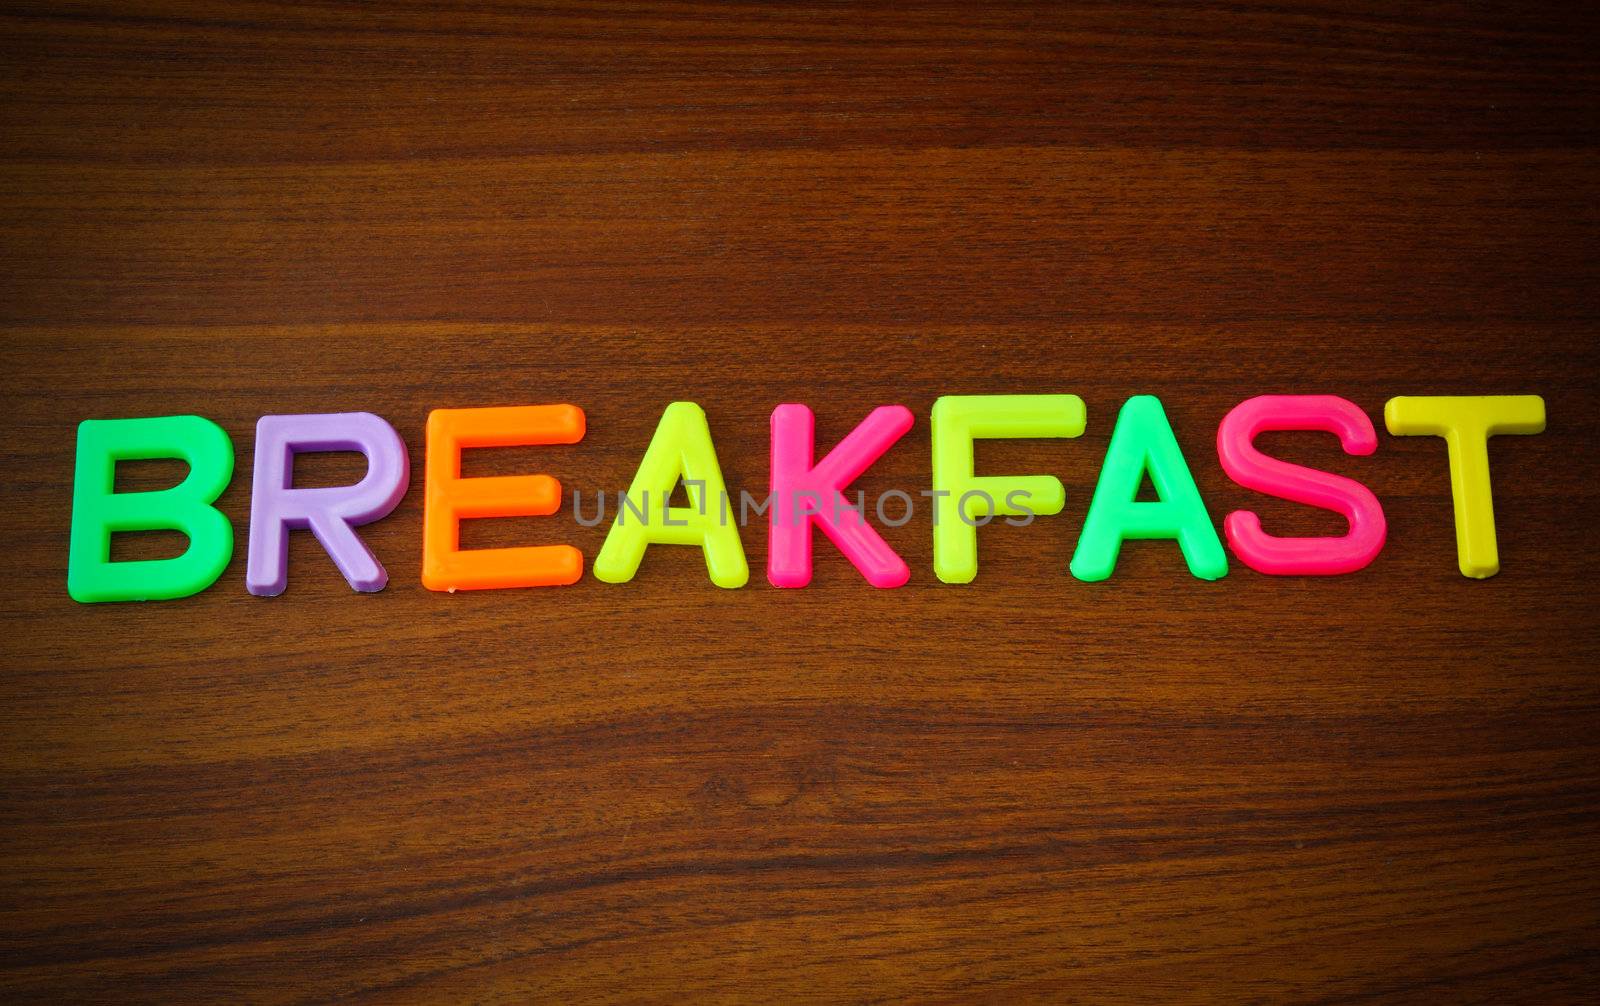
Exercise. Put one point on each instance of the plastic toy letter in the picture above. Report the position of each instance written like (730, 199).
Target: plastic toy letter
(803, 494)
(962, 501)
(1143, 442)
(450, 499)
(98, 510)
(681, 447)
(331, 512)
(1247, 466)
(1466, 424)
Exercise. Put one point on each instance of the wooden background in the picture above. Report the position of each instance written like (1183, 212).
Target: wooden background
(1377, 786)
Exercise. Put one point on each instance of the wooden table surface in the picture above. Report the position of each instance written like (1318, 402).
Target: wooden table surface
(1379, 786)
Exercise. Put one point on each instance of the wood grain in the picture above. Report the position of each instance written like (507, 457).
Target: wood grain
(1381, 786)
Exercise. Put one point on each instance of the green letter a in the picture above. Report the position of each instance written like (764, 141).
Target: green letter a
(1141, 442)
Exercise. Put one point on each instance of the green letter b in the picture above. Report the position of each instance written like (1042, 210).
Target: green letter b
(98, 510)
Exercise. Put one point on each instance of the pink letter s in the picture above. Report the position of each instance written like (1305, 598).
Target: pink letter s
(1250, 468)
